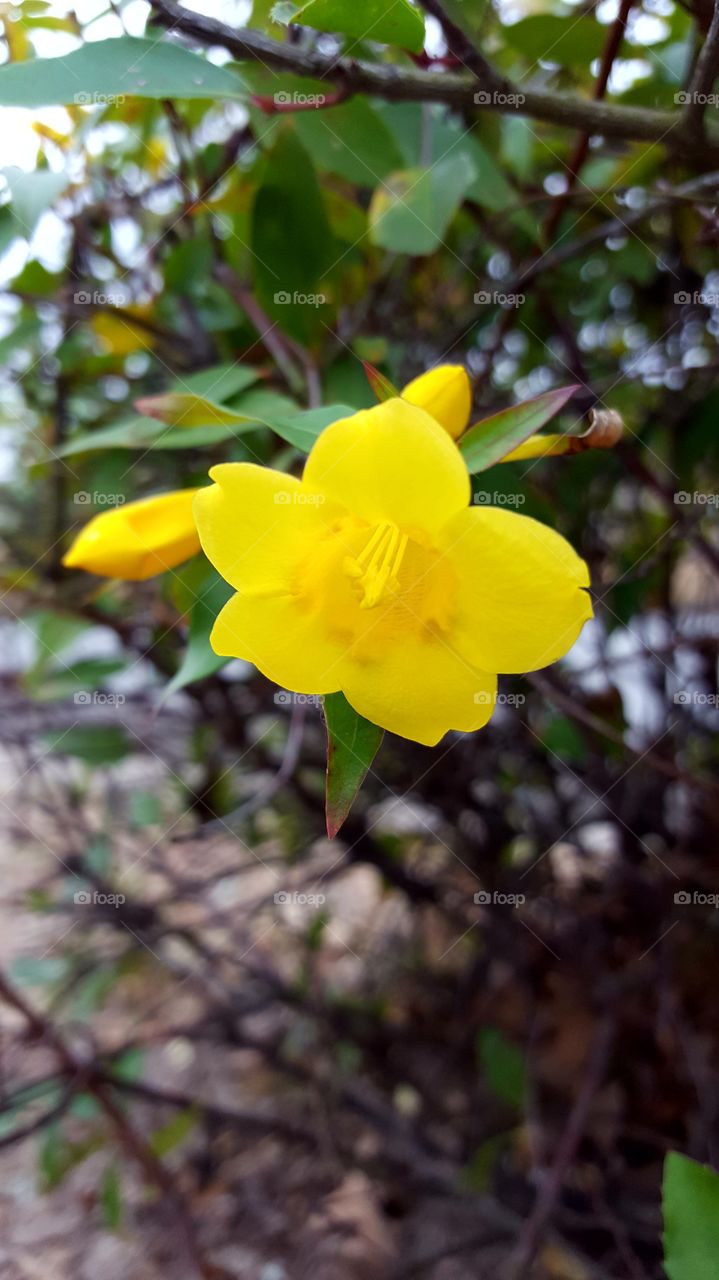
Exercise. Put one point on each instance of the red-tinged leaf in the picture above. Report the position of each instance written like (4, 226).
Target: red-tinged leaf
(382, 387)
(352, 744)
(488, 441)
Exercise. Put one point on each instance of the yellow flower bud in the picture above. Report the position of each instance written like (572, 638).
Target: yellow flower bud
(138, 540)
(445, 393)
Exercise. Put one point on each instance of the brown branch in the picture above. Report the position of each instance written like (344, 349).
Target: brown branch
(550, 1193)
(703, 79)
(462, 47)
(403, 84)
(79, 1070)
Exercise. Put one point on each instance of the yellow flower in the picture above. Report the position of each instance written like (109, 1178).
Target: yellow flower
(138, 540)
(445, 393)
(374, 576)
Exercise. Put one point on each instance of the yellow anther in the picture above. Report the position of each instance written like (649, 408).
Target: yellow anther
(377, 566)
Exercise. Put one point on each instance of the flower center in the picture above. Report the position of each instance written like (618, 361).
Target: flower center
(375, 570)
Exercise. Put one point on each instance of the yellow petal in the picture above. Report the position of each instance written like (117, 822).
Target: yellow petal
(390, 463)
(520, 603)
(286, 642)
(256, 524)
(445, 393)
(139, 539)
(420, 690)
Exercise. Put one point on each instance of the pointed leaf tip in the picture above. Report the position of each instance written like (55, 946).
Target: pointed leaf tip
(352, 744)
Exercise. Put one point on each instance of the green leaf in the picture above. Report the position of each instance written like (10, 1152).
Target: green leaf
(303, 429)
(31, 194)
(412, 211)
(37, 971)
(691, 1219)
(95, 744)
(63, 681)
(111, 1198)
(569, 41)
(503, 1066)
(490, 189)
(164, 1140)
(397, 23)
(130, 433)
(291, 239)
(257, 409)
(350, 139)
(493, 438)
(185, 409)
(58, 1156)
(199, 659)
(219, 382)
(352, 744)
(104, 70)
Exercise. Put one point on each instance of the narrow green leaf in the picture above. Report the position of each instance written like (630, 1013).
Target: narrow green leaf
(352, 744)
(96, 744)
(164, 1140)
(220, 382)
(105, 70)
(111, 1198)
(503, 1066)
(691, 1219)
(256, 409)
(184, 409)
(491, 439)
(397, 23)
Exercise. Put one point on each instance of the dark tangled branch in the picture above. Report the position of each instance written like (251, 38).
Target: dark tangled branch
(403, 84)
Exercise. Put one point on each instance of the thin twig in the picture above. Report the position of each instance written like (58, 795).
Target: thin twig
(550, 1193)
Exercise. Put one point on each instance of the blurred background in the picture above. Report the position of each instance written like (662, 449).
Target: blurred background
(459, 1040)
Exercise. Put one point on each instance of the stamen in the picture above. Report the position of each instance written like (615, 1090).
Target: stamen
(377, 566)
